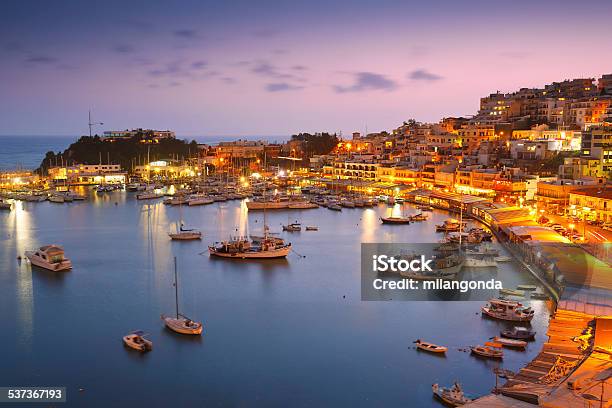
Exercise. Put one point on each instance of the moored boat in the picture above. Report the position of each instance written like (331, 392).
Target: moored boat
(450, 225)
(510, 342)
(418, 217)
(181, 324)
(137, 341)
(490, 350)
(150, 195)
(5, 205)
(518, 333)
(430, 347)
(312, 228)
(293, 227)
(241, 248)
(395, 220)
(452, 396)
(50, 257)
(509, 310)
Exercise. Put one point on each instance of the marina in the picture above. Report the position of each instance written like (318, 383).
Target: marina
(306, 287)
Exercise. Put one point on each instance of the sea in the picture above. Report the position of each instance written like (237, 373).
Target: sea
(277, 333)
(27, 152)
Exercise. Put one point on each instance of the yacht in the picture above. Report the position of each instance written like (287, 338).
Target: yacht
(199, 200)
(50, 257)
(510, 310)
(181, 324)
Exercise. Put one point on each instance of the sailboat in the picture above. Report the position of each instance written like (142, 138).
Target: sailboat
(181, 323)
(182, 233)
(244, 248)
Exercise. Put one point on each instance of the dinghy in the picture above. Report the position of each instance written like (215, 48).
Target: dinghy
(432, 348)
(137, 341)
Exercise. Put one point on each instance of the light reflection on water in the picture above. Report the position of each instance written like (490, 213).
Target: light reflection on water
(271, 327)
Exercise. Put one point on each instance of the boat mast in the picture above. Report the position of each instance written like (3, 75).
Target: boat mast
(176, 289)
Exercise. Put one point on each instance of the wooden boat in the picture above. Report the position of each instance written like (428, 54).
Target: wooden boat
(312, 228)
(518, 333)
(418, 217)
(293, 227)
(452, 396)
(395, 220)
(450, 225)
(432, 348)
(50, 257)
(181, 324)
(137, 341)
(509, 310)
(185, 235)
(240, 248)
(489, 350)
(512, 292)
(510, 342)
(424, 207)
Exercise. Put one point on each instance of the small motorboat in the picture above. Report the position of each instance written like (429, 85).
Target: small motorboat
(510, 310)
(137, 341)
(418, 217)
(518, 333)
(432, 348)
(334, 207)
(510, 342)
(312, 228)
(489, 350)
(452, 396)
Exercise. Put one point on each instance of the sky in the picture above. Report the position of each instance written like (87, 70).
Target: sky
(281, 67)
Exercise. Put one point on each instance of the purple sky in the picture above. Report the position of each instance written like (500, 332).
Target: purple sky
(280, 67)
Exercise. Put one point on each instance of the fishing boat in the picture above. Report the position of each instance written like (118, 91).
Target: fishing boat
(293, 227)
(137, 341)
(510, 310)
(57, 198)
(50, 257)
(472, 261)
(5, 205)
(450, 225)
(181, 323)
(242, 248)
(395, 220)
(510, 342)
(489, 350)
(419, 217)
(518, 333)
(452, 396)
(445, 268)
(512, 292)
(430, 347)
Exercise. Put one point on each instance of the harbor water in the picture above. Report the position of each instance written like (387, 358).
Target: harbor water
(276, 333)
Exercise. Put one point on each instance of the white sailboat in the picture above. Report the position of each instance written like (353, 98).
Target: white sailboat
(181, 323)
(182, 233)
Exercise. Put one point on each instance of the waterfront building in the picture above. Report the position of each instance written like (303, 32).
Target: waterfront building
(88, 174)
(593, 203)
(167, 169)
(17, 178)
(554, 193)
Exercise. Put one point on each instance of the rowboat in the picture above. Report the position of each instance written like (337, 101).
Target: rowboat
(137, 341)
(490, 350)
(432, 348)
(395, 220)
(452, 396)
(510, 342)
